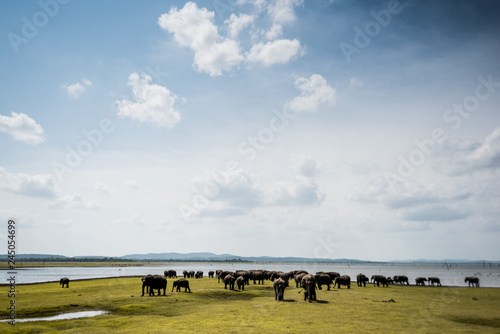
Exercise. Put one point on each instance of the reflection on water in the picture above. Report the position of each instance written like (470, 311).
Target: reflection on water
(64, 316)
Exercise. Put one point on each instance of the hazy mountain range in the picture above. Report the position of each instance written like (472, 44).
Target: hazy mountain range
(205, 256)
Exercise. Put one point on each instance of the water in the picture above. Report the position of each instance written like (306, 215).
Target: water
(63, 316)
(450, 275)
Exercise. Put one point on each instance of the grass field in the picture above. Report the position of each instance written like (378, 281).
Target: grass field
(210, 308)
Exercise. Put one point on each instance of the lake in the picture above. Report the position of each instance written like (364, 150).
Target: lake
(450, 274)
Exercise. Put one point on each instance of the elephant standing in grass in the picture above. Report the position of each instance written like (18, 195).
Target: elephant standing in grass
(229, 280)
(170, 273)
(64, 281)
(377, 279)
(181, 283)
(223, 275)
(323, 279)
(433, 280)
(298, 279)
(279, 286)
(308, 283)
(191, 274)
(156, 282)
(199, 274)
(211, 274)
(361, 280)
(420, 281)
(401, 279)
(240, 282)
(343, 280)
(474, 281)
(185, 273)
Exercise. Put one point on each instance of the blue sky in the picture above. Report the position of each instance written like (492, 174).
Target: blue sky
(334, 129)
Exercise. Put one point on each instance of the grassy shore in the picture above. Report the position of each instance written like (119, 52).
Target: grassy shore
(210, 308)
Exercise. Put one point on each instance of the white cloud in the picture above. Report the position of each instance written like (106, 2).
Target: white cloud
(281, 12)
(152, 103)
(77, 89)
(315, 92)
(101, 187)
(22, 128)
(74, 201)
(194, 28)
(306, 166)
(27, 185)
(463, 156)
(237, 23)
(276, 52)
(131, 184)
(355, 83)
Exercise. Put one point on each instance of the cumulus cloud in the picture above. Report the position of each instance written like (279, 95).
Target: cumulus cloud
(306, 166)
(281, 12)
(415, 201)
(152, 103)
(237, 23)
(131, 184)
(245, 192)
(315, 92)
(215, 54)
(27, 185)
(463, 156)
(103, 188)
(77, 89)
(194, 28)
(276, 52)
(74, 201)
(22, 128)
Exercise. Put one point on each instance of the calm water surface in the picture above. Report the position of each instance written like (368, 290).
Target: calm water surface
(450, 275)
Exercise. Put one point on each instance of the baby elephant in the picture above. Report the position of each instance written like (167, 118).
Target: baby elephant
(64, 281)
(181, 283)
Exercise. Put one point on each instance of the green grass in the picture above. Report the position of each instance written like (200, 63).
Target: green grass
(210, 308)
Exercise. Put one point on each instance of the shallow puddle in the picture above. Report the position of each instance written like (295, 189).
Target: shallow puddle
(64, 316)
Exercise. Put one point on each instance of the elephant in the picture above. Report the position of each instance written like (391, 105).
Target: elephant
(390, 280)
(279, 286)
(298, 279)
(199, 274)
(211, 274)
(474, 281)
(181, 283)
(217, 273)
(191, 274)
(361, 279)
(170, 273)
(333, 275)
(223, 275)
(308, 283)
(185, 273)
(343, 280)
(323, 279)
(154, 282)
(243, 273)
(64, 281)
(401, 279)
(258, 275)
(433, 280)
(377, 279)
(229, 280)
(420, 281)
(278, 274)
(240, 282)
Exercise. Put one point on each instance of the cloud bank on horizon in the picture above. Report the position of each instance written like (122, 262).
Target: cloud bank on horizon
(283, 128)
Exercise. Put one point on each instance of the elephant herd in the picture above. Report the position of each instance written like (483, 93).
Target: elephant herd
(308, 282)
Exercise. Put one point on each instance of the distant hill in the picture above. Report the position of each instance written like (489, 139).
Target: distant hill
(207, 257)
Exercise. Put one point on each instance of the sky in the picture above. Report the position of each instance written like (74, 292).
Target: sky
(320, 129)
